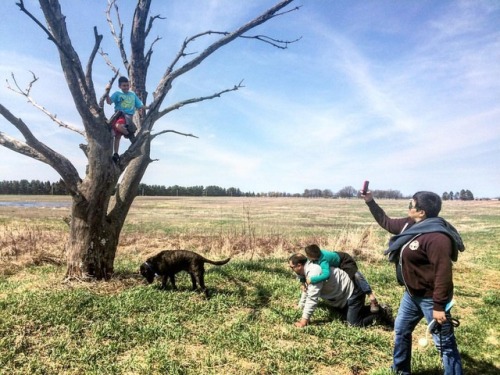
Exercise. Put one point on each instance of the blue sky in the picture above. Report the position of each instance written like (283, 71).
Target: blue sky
(403, 93)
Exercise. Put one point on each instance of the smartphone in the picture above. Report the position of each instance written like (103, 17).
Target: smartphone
(365, 187)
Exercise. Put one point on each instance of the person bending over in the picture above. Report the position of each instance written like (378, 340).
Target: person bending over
(339, 292)
(344, 261)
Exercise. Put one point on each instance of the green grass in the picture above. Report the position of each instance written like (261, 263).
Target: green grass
(245, 327)
(127, 327)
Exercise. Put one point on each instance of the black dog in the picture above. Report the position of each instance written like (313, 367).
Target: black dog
(169, 262)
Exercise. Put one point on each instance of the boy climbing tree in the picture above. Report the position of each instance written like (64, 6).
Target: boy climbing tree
(126, 102)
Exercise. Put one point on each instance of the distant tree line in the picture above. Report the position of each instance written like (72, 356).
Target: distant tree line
(463, 195)
(35, 187)
(351, 192)
(191, 191)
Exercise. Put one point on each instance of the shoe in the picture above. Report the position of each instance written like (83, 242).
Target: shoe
(385, 314)
(116, 157)
(374, 306)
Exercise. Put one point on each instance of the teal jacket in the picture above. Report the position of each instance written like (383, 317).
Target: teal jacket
(326, 260)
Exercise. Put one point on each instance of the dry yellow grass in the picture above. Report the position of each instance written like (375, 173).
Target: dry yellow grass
(246, 228)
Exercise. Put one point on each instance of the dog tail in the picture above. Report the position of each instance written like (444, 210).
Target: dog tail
(217, 262)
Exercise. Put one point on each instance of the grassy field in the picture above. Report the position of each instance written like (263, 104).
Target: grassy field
(127, 327)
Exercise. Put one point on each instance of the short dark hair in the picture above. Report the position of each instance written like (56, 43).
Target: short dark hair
(313, 251)
(429, 202)
(297, 259)
(122, 80)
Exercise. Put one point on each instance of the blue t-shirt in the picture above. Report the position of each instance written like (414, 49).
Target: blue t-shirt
(126, 102)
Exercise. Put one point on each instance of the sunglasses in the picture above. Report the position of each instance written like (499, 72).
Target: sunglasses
(411, 206)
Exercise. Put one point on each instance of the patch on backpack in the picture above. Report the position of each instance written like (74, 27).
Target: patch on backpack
(414, 245)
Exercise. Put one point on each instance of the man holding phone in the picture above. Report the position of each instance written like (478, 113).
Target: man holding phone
(422, 248)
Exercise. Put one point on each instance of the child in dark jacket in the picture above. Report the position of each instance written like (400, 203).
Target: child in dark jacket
(345, 262)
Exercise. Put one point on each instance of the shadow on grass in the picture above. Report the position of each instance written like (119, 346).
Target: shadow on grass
(255, 294)
(242, 281)
(333, 314)
(272, 266)
(479, 367)
(241, 268)
(127, 274)
(472, 366)
(243, 277)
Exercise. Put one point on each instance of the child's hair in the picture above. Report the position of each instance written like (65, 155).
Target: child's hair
(313, 251)
(122, 80)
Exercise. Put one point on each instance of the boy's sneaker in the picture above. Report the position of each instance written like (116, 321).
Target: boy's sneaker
(374, 306)
(116, 157)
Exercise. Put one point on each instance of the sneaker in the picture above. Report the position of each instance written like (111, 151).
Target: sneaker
(374, 306)
(116, 157)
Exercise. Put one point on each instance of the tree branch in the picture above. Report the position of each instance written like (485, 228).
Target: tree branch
(282, 44)
(108, 89)
(150, 24)
(153, 136)
(138, 69)
(149, 53)
(98, 39)
(118, 37)
(21, 148)
(82, 93)
(51, 37)
(41, 152)
(26, 94)
(197, 100)
(105, 56)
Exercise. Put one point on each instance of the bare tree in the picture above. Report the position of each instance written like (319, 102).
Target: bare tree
(99, 206)
(347, 192)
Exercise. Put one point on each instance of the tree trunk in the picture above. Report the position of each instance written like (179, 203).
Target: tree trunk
(93, 240)
(90, 251)
(97, 219)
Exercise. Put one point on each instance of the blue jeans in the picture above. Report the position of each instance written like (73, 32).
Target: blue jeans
(411, 311)
(356, 313)
(362, 283)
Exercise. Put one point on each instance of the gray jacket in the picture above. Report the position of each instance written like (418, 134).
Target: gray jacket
(335, 291)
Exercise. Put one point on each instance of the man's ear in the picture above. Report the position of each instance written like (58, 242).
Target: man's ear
(421, 214)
